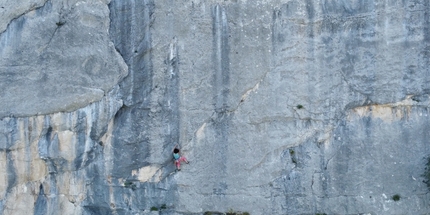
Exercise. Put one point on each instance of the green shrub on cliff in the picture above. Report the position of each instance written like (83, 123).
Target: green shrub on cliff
(396, 197)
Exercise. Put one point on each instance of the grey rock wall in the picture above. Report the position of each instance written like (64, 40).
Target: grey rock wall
(57, 57)
(282, 107)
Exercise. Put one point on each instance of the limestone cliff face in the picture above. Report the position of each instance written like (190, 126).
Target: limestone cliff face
(282, 107)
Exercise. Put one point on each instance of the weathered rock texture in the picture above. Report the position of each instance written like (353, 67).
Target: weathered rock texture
(282, 106)
(56, 57)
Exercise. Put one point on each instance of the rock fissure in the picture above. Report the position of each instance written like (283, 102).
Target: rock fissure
(61, 21)
(353, 88)
(196, 86)
(313, 181)
(251, 90)
(288, 119)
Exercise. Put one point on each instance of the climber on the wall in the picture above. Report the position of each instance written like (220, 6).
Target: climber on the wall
(178, 158)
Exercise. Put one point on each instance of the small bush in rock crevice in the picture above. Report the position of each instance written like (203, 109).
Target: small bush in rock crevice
(396, 197)
(232, 212)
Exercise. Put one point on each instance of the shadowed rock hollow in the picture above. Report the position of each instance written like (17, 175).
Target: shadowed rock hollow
(282, 107)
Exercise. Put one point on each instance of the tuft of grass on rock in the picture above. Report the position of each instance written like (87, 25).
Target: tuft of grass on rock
(292, 152)
(293, 156)
(153, 208)
(130, 184)
(60, 23)
(232, 212)
(299, 106)
(396, 197)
